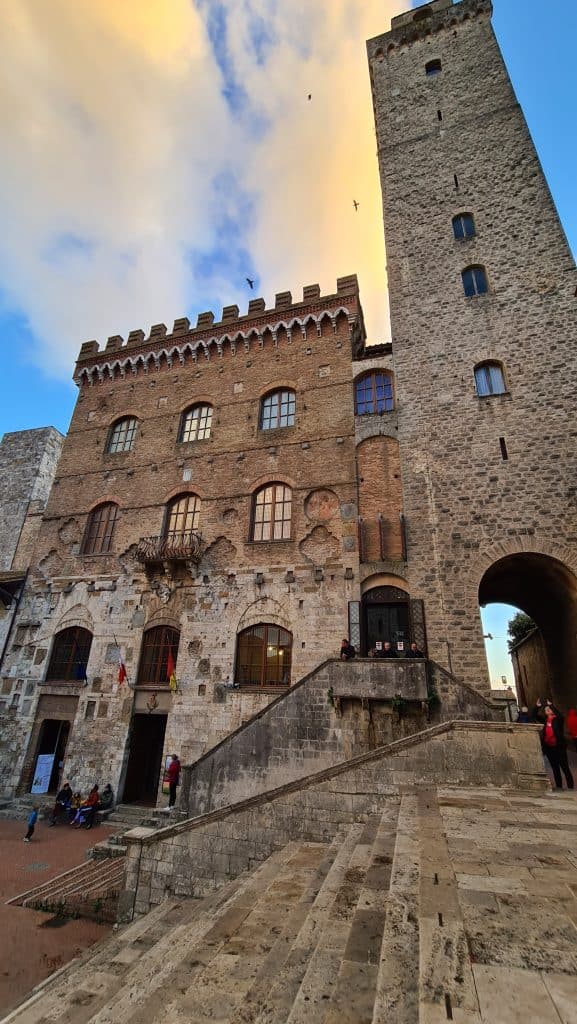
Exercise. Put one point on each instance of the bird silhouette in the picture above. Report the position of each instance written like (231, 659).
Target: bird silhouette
(249, 282)
(310, 96)
(356, 205)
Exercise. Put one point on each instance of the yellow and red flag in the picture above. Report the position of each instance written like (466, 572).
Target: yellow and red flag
(171, 672)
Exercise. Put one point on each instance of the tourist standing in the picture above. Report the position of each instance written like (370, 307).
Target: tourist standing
(173, 776)
(553, 744)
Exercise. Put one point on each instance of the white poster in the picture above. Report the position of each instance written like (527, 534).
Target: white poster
(42, 774)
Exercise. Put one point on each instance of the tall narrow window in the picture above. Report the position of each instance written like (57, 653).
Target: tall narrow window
(158, 656)
(489, 379)
(374, 393)
(263, 656)
(464, 226)
(433, 67)
(195, 423)
(277, 410)
(182, 517)
(474, 281)
(122, 435)
(69, 655)
(272, 513)
(99, 529)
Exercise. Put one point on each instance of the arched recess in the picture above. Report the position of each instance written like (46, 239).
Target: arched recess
(545, 589)
(380, 499)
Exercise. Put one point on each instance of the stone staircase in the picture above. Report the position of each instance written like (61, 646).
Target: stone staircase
(90, 890)
(448, 904)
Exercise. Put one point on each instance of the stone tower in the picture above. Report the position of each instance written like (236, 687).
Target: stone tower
(483, 308)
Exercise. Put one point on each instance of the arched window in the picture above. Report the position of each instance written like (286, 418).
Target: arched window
(99, 529)
(464, 226)
(433, 67)
(158, 656)
(374, 393)
(489, 379)
(271, 515)
(474, 281)
(277, 410)
(182, 517)
(69, 655)
(195, 423)
(263, 656)
(122, 435)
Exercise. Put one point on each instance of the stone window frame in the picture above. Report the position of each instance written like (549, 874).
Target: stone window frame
(99, 530)
(459, 223)
(196, 427)
(388, 399)
(182, 517)
(272, 404)
(156, 643)
(264, 643)
(474, 281)
(69, 655)
(483, 376)
(269, 515)
(122, 435)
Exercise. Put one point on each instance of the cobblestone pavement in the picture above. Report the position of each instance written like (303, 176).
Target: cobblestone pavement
(31, 949)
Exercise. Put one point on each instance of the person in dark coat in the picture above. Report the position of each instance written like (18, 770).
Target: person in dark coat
(62, 803)
(553, 745)
(414, 652)
(347, 650)
(388, 651)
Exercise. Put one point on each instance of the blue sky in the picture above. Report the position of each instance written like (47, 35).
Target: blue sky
(153, 158)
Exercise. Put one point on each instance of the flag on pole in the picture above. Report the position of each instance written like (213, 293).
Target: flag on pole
(171, 672)
(121, 669)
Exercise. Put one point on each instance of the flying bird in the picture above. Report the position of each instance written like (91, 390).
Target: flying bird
(249, 282)
(310, 96)
(356, 205)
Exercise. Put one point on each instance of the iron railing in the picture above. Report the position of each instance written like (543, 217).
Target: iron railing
(172, 547)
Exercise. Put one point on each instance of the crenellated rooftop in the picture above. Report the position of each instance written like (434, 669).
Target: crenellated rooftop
(233, 329)
(423, 21)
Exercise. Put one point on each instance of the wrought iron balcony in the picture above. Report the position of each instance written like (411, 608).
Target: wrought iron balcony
(172, 547)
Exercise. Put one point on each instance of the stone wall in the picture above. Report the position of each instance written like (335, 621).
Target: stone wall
(196, 856)
(531, 669)
(303, 583)
(28, 460)
(340, 710)
(484, 478)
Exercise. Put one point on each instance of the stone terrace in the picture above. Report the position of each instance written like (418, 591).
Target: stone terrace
(448, 904)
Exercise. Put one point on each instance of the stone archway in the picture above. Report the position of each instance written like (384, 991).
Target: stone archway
(546, 589)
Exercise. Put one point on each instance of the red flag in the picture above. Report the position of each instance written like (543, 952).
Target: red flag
(170, 671)
(121, 669)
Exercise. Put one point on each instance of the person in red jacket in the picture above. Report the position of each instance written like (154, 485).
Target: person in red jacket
(173, 775)
(553, 744)
(86, 811)
(571, 725)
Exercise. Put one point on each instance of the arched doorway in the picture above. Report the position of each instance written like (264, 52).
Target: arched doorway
(546, 590)
(385, 616)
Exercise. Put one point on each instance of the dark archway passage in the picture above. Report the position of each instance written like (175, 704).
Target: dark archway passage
(545, 589)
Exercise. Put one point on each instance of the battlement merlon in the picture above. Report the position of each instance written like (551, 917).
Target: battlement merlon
(425, 20)
(232, 325)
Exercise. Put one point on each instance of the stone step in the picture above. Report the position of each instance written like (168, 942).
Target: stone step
(397, 985)
(322, 934)
(90, 890)
(134, 975)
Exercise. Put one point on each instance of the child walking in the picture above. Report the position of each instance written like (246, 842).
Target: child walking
(32, 819)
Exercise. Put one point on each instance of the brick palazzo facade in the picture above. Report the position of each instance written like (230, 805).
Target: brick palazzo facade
(234, 498)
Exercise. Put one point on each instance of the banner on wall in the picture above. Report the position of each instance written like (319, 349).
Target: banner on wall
(44, 765)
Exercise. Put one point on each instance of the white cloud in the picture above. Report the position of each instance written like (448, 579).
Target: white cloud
(114, 129)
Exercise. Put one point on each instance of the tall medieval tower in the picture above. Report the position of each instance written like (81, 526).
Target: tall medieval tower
(483, 308)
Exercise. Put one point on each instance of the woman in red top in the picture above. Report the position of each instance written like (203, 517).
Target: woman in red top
(553, 744)
(173, 775)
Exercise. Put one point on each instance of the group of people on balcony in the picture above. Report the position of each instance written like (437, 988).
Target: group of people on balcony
(384, 650)
(70, 807)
